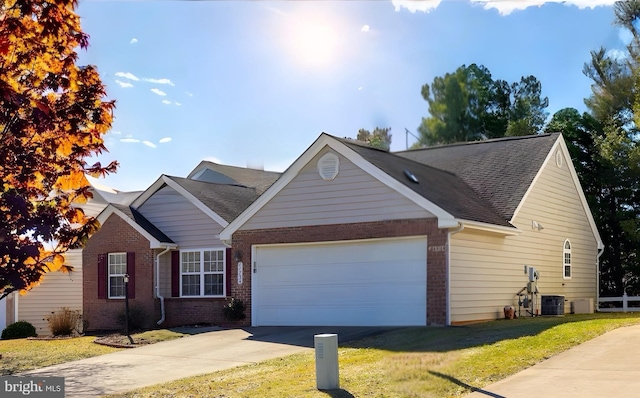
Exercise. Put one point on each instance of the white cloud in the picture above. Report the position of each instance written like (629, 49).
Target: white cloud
(129, 139)
(416, 5)
(617, 54)
(164, 140)
(177, 103)
(149, 144)
(159, 81)
(127, 75)
(159, 92)
(116, 132)
(360, 88)
(504, 7)
(365, 28)
(133, 41)
(167, 102)
(188, 94)
(124, 84)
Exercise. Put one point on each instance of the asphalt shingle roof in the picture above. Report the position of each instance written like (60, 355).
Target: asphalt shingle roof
(499, 171)
(226, 200)
(222, 174)
(143, 223)
(442, 188)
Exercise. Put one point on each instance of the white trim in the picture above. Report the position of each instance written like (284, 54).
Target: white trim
(167, 180)
(202, 272)
(445, 220)
(153, 242)
(564, 251)
(110, 275)
(561, 145)
(498, 229)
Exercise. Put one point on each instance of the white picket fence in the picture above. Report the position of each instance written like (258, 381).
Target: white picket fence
(625, 304)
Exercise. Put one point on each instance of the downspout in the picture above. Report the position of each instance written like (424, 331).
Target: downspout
(158, 295)
(600, 251)
(454, 231)
(15, 306)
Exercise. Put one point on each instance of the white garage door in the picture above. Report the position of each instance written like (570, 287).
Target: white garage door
(355, 283)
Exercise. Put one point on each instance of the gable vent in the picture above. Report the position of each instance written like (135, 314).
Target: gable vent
(328, 166)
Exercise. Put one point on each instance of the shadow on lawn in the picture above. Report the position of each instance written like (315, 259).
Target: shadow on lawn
(443, 339)
(338, 393)
(465, 385)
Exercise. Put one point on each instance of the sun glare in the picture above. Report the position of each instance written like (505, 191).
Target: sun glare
(313, 42)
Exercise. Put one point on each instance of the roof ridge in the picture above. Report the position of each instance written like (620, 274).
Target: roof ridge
(394, 154)
(175, 178)
(479, 142)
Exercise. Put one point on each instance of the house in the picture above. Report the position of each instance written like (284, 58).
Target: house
(352, 235)
(167, 242)
(57, 289)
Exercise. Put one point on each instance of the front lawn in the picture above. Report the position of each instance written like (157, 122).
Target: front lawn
(409, 362)
(21, 355)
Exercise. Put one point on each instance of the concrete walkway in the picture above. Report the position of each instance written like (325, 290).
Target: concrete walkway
(188, 356)
(607, 366)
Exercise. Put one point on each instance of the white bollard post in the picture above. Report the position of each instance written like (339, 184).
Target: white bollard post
(326, 361)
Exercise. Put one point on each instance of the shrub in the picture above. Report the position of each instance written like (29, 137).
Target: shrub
(137, 318)
(65, 322)
(234, 310)
(19, 330)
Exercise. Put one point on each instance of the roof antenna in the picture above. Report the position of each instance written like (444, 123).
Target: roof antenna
(406, 136)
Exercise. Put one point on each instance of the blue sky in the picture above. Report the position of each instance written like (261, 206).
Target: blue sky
(254, 83)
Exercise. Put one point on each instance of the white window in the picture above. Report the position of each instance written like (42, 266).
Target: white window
(566, 260)
(117, 268)
(202, 272)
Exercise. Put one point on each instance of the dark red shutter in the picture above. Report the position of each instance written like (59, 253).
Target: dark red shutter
(102, 276)
(227, 274)
(175, 273)
(131, 270)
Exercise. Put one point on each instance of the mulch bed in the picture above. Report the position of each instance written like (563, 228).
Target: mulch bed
(121, 341)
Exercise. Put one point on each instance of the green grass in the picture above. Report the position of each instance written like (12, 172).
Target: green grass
(21, 355)
(410, 362)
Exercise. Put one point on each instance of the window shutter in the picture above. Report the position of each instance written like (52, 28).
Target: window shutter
(131, 270)
(102, 276)
(227, 272)
(175, 273)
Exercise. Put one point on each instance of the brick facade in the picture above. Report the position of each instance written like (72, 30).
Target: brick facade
(116, 235)
(436, 259)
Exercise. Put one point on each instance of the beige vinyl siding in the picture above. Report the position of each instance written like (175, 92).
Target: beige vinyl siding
(56, 290)
(181, 220)
(353, 196)
(487, 270)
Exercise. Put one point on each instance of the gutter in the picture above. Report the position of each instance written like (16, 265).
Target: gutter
(158, 295)
(452, 231)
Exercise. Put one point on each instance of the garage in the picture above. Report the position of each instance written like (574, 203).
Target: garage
(373, 282)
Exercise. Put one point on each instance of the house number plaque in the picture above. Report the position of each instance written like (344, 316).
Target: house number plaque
(239, 272)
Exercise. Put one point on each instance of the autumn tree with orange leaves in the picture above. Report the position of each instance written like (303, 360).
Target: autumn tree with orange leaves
(53, 115)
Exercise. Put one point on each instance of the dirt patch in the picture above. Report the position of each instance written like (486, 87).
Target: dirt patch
(121, 341)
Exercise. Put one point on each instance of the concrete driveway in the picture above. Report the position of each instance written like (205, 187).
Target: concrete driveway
(207, 351)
